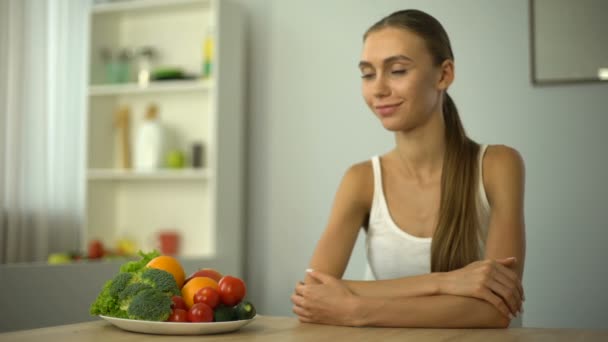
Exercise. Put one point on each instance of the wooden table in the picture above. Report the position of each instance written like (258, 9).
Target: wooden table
(269, 329)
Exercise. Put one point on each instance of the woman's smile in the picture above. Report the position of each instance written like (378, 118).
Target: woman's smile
(386, 110)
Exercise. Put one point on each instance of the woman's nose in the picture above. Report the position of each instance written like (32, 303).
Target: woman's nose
(381, 88)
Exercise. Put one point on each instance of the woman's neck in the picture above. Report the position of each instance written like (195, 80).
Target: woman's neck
(421, 150)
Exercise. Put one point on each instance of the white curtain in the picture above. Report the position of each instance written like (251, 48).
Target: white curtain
(43, 78)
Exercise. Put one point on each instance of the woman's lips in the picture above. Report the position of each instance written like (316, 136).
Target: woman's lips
(387, 110)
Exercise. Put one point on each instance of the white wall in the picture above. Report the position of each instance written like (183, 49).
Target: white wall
(308, 123)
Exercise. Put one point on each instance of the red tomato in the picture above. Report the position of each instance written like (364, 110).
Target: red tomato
(178, 303)
(232, 290)
(200, 312)
(205, 272)
(207, 295)
(178, 315)
(96, 250)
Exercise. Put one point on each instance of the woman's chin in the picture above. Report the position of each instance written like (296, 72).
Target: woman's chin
(392, 125)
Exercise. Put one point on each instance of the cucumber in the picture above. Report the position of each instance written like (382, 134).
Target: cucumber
(167, 74)
(244, 310)
(224, 314)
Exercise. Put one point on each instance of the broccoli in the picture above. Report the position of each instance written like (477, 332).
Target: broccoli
(150, 305)
(137, 292)
(130, 291)
(119, 283)
(161, 280)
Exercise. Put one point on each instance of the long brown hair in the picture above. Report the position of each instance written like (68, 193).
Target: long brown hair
(456, 238)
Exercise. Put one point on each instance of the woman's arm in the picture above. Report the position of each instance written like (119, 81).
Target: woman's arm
(481, 279)
(504, 180)
(350, 209)
(420, 285)
(504, 183)
(331, 302)
(443, 311)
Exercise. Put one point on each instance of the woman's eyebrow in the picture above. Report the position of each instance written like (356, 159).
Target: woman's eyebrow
(388, 60)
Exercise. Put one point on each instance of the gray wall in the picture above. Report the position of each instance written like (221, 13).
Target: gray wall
(308, 123)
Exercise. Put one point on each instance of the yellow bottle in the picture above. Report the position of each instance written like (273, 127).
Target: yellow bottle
(207, 55)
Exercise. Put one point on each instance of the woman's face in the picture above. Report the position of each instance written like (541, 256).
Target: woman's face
(400, 83)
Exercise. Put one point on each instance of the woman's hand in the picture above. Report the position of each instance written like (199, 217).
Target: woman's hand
(490, 280)
(328, 302)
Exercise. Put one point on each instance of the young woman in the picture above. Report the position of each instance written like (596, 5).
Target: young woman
(443, 215)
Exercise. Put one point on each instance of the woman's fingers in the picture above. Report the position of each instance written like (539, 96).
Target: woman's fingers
(505, 264)
(297, 300)
(505, 295)
(507, 277)
(301, 312)
(304, 319)
(299, 288)
(497, 302)
(507, 261)
(299, 309)
(514, 286)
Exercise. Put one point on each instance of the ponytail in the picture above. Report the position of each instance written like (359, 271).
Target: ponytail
(455, 243)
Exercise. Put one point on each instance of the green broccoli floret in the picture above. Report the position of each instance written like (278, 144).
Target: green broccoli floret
(119, 283)
(134, 266)
(127, 294)
(150, 305)
(161, 280)
(126, 297)
(131, 290)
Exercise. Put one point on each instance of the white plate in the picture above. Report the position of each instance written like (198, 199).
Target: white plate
(176, 328)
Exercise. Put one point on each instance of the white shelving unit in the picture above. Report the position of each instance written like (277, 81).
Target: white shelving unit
(125, 6)
(118, 175)
(203, 204)
(151, 88)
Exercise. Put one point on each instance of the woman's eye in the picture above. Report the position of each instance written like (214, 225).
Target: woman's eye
(399, 72)
(367, 76)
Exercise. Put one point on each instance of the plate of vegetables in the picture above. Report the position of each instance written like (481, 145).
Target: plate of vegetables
(176, 328)
(152, 295)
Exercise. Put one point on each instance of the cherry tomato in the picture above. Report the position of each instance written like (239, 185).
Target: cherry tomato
(200, 312)
(232, 290)
(207, 295)
(178, 303)
(178, 315)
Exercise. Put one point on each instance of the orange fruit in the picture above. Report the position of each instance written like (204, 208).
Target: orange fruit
(195, 284)
(171, 265)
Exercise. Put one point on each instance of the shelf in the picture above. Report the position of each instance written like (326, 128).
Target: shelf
(132, 5)
(153, 87)
(129, 203)
(120, 175)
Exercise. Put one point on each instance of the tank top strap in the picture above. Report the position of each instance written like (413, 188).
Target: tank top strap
(377, 200)
(482, 191)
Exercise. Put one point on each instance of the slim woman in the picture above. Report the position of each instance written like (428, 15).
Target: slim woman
(443, 215)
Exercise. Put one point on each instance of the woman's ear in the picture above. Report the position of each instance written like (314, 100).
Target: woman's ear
(446, 74)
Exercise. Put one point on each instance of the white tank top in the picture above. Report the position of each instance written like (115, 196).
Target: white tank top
(393, 253)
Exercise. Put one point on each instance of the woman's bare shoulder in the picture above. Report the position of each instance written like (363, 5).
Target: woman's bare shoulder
(359, 179)
(503, 169)
(361, 169)
(501, 156)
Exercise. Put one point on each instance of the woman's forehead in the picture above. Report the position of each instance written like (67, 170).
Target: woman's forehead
(388, 42)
